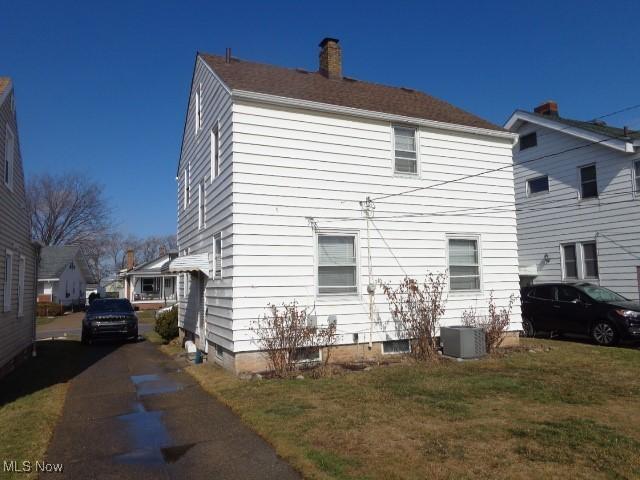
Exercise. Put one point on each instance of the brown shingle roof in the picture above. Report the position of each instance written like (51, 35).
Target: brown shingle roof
(4, 83)
(292, 83)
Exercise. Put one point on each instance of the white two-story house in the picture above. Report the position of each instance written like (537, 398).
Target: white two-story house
(274, 165)
(578, 200)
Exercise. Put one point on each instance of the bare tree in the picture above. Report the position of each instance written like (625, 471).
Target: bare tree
(67, 209)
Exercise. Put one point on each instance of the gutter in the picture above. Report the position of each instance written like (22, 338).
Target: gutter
(358, 112)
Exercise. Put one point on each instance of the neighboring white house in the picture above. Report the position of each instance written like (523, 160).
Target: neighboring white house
(150, 285)
(273, 167)
(578, 200)
(63, 275)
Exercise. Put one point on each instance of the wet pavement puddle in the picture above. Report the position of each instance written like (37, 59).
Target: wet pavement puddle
(150, 439)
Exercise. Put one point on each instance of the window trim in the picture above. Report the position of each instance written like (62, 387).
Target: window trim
(215, 152)
(382, 344)
(9, 163)
(201, 207)
(580, 168)
(316, 261)
(563, 272)
(416, 130)
(461, 236)
(8, 280)
(198, 109)
(584, 262)
(635, 178)
(580, 260)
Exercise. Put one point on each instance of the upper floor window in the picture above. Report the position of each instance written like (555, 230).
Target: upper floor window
(588, 182)
(337, 265)
(464, 264)
(9, 153)
(528, 141)
(406, 159)
(636, 166)
(217, 254)
(538, 185)
(214, 153)
(184, 189)
(198, 119)
(201, 219)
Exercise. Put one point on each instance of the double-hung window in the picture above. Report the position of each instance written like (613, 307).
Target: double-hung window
(214, 152)
(590, 260)
(570, 261)
(201, 212)
(464, 264)
(8, 278)
(636, 172)
(217, 254)
(9, 152)
(406, 158)
(588, 182)
(337, 265)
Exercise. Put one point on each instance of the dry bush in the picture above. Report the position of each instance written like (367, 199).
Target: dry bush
(285, 334)
(417, 309)
(494, 324)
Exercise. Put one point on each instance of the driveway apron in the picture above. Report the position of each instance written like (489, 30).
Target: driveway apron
(134, 414)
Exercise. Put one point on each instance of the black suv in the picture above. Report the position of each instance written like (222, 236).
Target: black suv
(580, 308)
(110, 318)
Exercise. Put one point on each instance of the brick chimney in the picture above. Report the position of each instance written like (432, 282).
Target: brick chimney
(549, 108)
(330, 58)
(131, 261)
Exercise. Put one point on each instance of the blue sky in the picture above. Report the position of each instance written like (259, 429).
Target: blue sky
(102, 86)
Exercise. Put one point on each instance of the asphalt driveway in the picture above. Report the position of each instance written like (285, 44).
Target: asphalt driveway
(134, 414)
(71, 325)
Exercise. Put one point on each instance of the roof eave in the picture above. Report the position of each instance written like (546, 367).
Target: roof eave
(520, 116)
(327, 107)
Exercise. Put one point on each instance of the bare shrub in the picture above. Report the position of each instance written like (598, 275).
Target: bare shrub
(286, 335)
(417, 309)
(494, 324)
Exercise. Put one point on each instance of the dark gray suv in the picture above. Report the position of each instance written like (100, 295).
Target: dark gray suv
(109, 318)
(580, 308)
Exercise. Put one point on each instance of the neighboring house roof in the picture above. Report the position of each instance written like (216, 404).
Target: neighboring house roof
(345, 92)
(55, 259)
(594, 130)
(153, 267)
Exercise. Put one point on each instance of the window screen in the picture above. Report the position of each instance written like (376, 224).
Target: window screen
(589, 183)
(538, 185)
(590, 256)
(337, 264)
(464, 269)
(570, 262)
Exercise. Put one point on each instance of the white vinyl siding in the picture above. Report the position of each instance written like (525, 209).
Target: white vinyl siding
(464, 264)
(8, 280)
(9, 157)
(337, 266)
(405, 154)
(588, 182)
(198, 110)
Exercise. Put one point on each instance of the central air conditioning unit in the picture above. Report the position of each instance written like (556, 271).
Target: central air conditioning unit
(463, 342)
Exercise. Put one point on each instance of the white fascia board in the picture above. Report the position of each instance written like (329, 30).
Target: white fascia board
(520, 116)
(5, 93)
(358, 112)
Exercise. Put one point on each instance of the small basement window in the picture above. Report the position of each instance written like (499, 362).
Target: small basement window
(528, 141)
(538, 185)
(307, 354)
(396, 346)
(219, 351)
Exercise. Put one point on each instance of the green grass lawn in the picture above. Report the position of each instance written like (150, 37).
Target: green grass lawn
(31, 401)
(146, 316)
(569, 412)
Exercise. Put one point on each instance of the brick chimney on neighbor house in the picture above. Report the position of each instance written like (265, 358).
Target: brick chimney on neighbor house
(549, 108)
(330, 58)
(131, 262)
